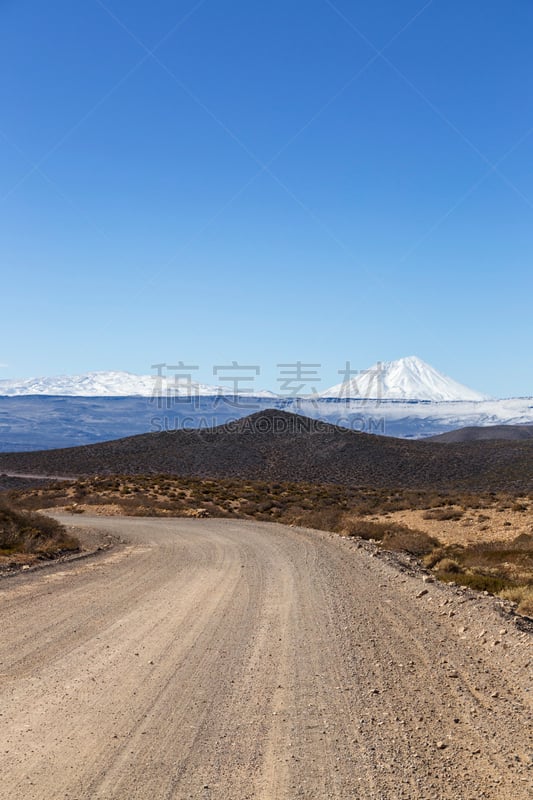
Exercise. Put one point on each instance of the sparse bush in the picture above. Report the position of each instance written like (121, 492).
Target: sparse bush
(444, 514)
(75, 509)
(392, 536)
(325, 519)
(28, 532)
(365, 529)
(448, 565)
(476, 580)
(407, 540)
(436, 555)
(522, 596)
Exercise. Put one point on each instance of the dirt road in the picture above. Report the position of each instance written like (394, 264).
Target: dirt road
(231, 660)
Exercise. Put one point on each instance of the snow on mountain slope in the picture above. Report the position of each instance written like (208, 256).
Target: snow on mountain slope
(115, 384)
(406, 379)
(103, 384)
(37, 422)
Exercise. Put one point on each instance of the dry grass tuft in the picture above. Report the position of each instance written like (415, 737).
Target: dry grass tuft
(522, 596)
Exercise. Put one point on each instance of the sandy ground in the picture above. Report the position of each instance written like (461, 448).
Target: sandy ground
(220, 659)
(476, 525)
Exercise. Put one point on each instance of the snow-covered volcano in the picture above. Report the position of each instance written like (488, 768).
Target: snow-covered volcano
(406, 379)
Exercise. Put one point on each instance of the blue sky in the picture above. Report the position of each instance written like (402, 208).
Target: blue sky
(267, 181)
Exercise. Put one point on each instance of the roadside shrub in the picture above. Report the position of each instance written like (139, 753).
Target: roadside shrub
(476, 580)
(324, 519)
(522, 596)
(392, 536)
(29, 532)
(436, 555)
(417, 543)
(75, 509)
(448, 565)
(366, 529)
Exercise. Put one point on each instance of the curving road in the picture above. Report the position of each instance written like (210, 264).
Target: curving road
(232, 660)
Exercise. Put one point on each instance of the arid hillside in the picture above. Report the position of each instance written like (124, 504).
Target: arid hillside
(485, 433)
(274, 445)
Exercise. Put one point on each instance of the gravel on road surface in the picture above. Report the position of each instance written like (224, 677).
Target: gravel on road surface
(234, 660)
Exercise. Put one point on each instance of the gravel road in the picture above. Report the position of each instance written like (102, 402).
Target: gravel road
(231, 660)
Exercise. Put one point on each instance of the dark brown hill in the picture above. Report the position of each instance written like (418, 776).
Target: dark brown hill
(277, 446)
(485, 433)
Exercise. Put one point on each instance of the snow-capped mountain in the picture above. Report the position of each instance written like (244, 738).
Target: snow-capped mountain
(415, 401)
(115, 384)
(101, 384)
(406, 379)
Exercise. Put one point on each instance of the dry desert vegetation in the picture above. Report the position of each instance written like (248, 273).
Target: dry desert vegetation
(483, 541)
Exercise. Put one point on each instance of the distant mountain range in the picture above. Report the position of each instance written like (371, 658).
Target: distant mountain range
(405, 398)
(406, 379)
(105, 384)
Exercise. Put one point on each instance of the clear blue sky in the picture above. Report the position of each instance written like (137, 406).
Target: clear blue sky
(267, 181)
